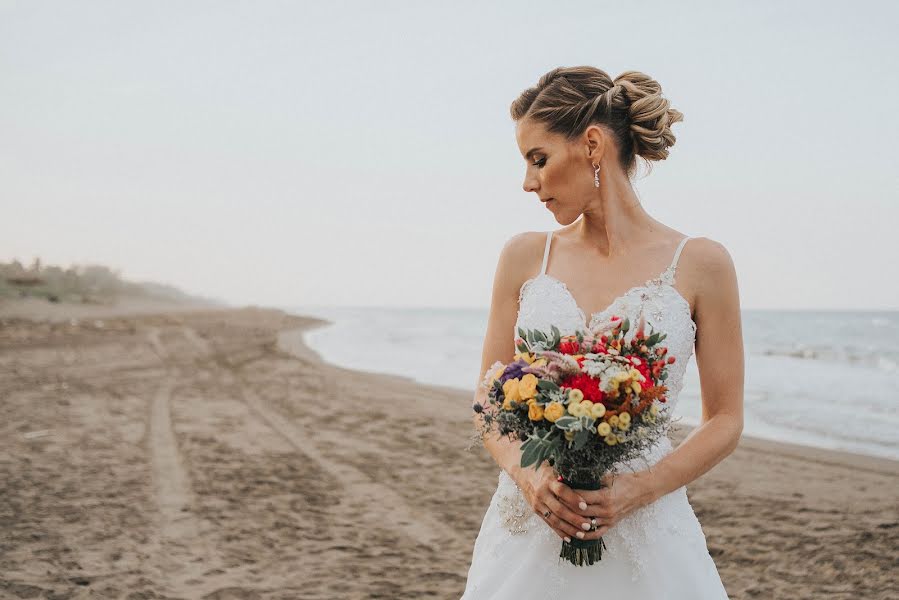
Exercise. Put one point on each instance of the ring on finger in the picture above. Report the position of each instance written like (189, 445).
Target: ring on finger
(593, 524)
(546, 514)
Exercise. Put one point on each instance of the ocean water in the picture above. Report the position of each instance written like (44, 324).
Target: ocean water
(828, 379)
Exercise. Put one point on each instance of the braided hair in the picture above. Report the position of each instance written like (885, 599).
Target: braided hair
(569, 99)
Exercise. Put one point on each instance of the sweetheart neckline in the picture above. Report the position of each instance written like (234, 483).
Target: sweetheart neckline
(588, 324)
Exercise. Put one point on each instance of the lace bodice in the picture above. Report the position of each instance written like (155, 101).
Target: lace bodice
(545, 301)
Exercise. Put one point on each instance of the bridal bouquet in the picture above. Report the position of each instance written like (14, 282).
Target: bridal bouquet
(582, 402)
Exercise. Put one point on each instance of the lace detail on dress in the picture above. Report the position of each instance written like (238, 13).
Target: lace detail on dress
(665, 516)
(518, 518)
(630, 534)
(545, 301)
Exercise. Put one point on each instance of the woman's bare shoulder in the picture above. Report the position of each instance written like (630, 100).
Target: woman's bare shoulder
(521, 257)
(706, 255)
(708, 267)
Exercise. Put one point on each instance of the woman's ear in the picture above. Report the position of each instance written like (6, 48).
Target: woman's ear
(594, 143)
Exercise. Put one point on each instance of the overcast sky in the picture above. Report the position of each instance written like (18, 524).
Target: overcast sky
(362, 153)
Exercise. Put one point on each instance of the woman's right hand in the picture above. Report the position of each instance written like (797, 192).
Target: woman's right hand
(544, 492)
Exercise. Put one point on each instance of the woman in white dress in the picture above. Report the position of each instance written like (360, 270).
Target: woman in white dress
(580, 133)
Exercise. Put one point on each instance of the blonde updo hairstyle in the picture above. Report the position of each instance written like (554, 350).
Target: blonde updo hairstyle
(569, 99)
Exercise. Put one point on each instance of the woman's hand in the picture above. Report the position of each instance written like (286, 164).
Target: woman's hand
(620, 495)
(544, 492)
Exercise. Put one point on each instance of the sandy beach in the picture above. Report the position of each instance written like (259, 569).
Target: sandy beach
(166, 451)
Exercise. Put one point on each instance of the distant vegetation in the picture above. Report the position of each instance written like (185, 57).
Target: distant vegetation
(95, 284)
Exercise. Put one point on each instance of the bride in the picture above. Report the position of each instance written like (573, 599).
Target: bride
(580, 133)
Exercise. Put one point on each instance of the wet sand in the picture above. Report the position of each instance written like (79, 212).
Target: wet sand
(191, 452)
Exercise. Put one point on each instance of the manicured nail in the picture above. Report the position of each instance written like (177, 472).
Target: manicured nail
(567, 539)
(585, 526)
(580, 534)
(583, 505)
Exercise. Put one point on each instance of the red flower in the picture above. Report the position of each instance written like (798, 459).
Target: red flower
(569, 347)
(643, 368)
(644, 371)
(587, 385)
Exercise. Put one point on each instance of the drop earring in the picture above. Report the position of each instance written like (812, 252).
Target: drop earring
(596, 175)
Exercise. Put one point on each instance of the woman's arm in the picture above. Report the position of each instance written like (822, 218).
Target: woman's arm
(548, 497)
(512, 269)
(719, 358)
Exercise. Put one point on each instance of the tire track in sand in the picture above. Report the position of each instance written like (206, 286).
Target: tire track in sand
(394, 511)
(180, 530)
(369, 497)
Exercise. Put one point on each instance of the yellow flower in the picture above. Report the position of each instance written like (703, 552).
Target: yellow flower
(624, 426)
(636, 387)
(603, 429)
(621, 438)
(525, 356)
(510, 389)
(507, 404)
(575, 395)
(611, 440)
(495, 374)
(624, 419)
(540, 362)
(586, 405)
(575, 409)
(654, 410)
(535, 412)
(527, 388)
(613, 421)
(530, 401)
(553, 411)
(597, 410)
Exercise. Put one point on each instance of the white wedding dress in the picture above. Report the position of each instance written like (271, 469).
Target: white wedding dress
(657, 552)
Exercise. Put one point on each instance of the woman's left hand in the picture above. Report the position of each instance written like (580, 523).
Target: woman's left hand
(620, 495)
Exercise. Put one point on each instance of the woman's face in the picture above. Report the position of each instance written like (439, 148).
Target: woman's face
(561, 176)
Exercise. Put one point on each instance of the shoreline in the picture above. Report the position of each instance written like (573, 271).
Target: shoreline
(189, 453)
(296, 341)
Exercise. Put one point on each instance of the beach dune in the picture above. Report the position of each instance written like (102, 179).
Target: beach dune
(191, 452)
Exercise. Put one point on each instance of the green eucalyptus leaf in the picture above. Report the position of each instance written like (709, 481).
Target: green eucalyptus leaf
(565, 422)
(547, 385)
(528, 453)
(556, 332)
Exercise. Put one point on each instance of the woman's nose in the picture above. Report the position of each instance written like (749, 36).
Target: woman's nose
(530, 184)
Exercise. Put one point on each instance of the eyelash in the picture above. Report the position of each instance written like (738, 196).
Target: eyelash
(540, 162)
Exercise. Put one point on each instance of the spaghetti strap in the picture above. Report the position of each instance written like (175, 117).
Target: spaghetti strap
(673, 266)
(549, 236)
